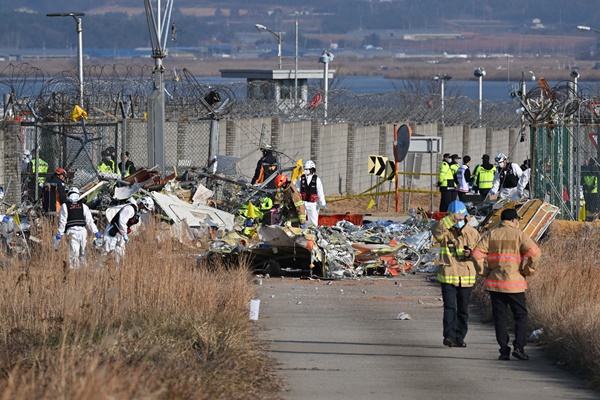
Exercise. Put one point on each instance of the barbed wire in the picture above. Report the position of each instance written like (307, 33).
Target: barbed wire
(123, 90)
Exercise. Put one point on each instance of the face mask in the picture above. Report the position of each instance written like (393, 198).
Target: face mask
(448, 160)
(459, 224)
(501, 164)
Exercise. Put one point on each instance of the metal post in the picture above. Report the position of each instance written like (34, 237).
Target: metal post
(77, 17)
(213, 145)
(296, 64)
(325, 90)
(480, 98)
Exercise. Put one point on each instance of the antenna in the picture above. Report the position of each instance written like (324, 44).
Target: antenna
(158, 27)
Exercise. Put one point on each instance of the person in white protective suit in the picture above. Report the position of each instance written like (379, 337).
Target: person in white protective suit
(73, 217)
(311, 189)
(506, 178)
(116, 235)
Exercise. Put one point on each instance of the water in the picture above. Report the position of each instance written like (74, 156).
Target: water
(495, 91)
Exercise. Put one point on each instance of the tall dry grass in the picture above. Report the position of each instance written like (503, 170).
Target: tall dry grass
(564, 299)
(155, 327)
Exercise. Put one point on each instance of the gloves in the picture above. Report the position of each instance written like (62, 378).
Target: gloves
(126, 238)
(5, 219)
(492, 192)
(302, 226)
(97, 235)
(58, 236)
(324, 207)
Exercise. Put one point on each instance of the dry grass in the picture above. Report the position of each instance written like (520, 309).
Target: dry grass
(564, 299)
(156, 327)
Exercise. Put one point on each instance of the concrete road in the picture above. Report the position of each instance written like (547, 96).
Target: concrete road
(342, 340)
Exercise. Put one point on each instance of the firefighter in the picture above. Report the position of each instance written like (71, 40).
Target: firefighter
(446, 183)
(54, 193)
(293, 206)
(484, 176)
(73, 218)
(311, 190)
(266, 166)
(511, 257)
(116, 235)
(506, 178)
(457, 271)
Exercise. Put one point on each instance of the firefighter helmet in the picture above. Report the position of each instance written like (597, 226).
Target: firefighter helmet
(280, 180)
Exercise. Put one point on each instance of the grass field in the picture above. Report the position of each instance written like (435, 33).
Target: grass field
(158, 326)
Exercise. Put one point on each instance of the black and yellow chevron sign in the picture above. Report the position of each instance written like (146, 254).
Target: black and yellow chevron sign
(377, 165)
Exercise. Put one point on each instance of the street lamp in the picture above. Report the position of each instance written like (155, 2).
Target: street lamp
(480, 73)
(77, 17)
(584, 28)
(276, 36)
(442, 79)
(325, 58)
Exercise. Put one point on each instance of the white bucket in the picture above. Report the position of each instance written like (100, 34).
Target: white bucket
(254, 306)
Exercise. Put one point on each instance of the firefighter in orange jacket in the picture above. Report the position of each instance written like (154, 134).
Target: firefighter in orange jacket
(511, 256)
(456, 272)
(293, 203)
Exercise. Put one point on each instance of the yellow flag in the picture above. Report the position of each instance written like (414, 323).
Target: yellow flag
(17, 221)
(78, 113)
(371, 204)
(297, 171)
(251, 212)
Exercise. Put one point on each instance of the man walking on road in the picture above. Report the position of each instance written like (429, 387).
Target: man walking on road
(512, 255)
(457, 271)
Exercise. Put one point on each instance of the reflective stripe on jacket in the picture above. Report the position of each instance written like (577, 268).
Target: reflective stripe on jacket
(446, 175)
(484, 178)
(455, 269)
(512, 255)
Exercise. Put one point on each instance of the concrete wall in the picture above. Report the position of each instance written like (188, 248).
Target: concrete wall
(10, 167)
(340, 151)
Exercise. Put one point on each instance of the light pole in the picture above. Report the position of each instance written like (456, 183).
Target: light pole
(325, 58)
(480, 73)
(584, 28)
(442, 79)
(276, 36)
(77, 17)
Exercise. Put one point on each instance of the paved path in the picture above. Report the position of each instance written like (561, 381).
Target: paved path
(342, 341)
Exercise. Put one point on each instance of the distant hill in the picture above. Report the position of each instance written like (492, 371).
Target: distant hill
(122, 23)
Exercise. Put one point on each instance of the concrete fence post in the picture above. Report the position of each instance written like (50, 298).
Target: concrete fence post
(350, 158)
(466, 140)
(315, 140)
(12, 162)
(489, 134)
(230, 137)
(275, 132)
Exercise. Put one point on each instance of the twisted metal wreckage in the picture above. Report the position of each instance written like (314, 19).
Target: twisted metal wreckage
(249, 227)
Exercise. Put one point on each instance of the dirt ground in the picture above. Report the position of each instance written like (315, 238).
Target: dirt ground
(360, 205)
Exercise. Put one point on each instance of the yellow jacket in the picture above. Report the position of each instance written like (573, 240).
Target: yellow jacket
(511, 256)
(455, 269)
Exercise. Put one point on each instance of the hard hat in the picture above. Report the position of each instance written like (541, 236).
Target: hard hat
(73, 195)
(280, 180)
(61, 171)
(26, 153)
(147, 203)
(309, 164)
(500, 157)
(458, 206)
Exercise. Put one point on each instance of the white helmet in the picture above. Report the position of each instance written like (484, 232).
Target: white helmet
(309, 164)
(73, 195)
(147, 203)
(501, 157)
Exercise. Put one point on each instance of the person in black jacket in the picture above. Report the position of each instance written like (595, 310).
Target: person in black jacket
(55, 194)
(266, 166)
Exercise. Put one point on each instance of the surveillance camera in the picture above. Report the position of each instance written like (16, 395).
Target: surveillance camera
(574, 74)
(435, 78)
(479, 72)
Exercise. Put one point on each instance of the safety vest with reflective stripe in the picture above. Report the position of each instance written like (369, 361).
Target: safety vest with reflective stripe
(446, 175)
(42, 169)
(455, 269)
(590, 184)
(484, 178)
(512, 255)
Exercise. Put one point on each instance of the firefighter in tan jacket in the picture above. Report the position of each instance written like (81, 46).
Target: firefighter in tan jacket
(511, 256)
(294, 209)
(456, 272)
